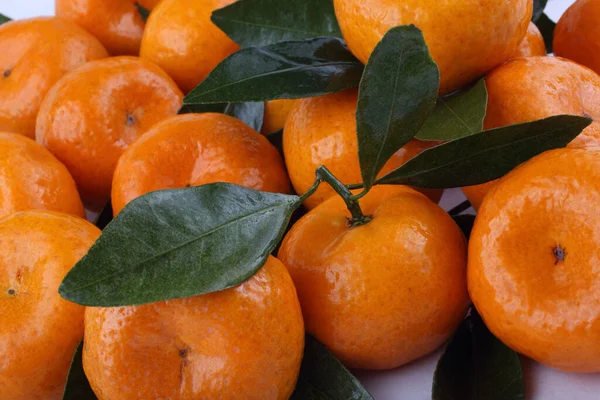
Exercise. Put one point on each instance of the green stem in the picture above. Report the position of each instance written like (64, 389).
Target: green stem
(355, 186)
(358, 218)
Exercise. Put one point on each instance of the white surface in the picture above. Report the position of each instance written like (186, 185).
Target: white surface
(413, 382)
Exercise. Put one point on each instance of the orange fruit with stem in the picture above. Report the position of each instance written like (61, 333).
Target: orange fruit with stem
(534, 259)
(276, 113)
(322, 131)
(576, 34)
(181, 38)
(94, 113)
(196, 149)
(117, 24)
(532, 44)
(466, 38)
(532, 88)
(32, 178)
(385, 293)
(40, 331)
(35, 54)
(244, 342)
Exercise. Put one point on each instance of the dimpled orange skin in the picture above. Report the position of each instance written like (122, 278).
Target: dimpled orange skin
(116, 23)
(195, 149)
(276, 113)
(241, 343)
(532, 44)
(577, 32)
(532, 88)
(322, 131)
(35, 54)
(545, 306)
(93, 114)
(181, 38)
(382, 294)
(40, 331)
(32, 178)
(466, 38)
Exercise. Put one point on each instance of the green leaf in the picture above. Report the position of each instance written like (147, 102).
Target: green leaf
(4, 19)
(276, 139)
(397, 92)
(144, 12)
(487, 155)
(323, 377)
(179, 243)
(477, 366)
(105, 216)
(546, 27)
(285, 70)
(458, 115)
(262, 22)
(252, 113)
(538, 9)
(77, 386)
(465, 223)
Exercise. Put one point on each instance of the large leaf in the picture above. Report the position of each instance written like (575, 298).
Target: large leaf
(285, 70)
(546, 27)
(477, 366)
(458, 115)
(486, 156)
(180, 243)
(323, 377)
(252, 113)
(261, 22)
(538, 9)
(397, 92)
(77, 386)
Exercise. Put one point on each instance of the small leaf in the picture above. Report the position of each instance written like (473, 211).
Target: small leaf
(538, 9)
(285, 70)
(179, 243)
(323, 377)
(144, 12)
(465, 223)
(262, 22)
(546, 27)
(4, 19)
(250, 113)
(397, 92)
(477, 366)
(77, 386)
(487, 155)
(456, 116)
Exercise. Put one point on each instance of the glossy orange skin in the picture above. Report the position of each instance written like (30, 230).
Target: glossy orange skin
(32, 178)
(181, 38)
(542, 307)
(241, 343)
(40, 331)
(322, 131)
(35, 54)
(382, 294)
(195, 149)
(276, 113)
(466, 38)
(116, 23)
(93, 114)
(577, 32)
(533, 88)
(532, 44)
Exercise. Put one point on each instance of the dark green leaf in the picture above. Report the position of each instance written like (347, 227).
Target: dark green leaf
(4, 19)
(261, 22)
(285, 70)
(251, 113)
(144, 12)
(323, 377)
(465, 223)
(180, 243)
(538, 9)
(477, 366)
(546, 27)
(77, 386)
(487, 155)
(105, 216)
(397, 92)
(457, 115)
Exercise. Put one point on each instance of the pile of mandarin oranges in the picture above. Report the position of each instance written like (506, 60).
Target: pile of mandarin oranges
(93, 120)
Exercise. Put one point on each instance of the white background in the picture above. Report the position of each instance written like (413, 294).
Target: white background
(413, 382)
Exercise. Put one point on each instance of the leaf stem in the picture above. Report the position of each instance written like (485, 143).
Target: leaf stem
(358, 218)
